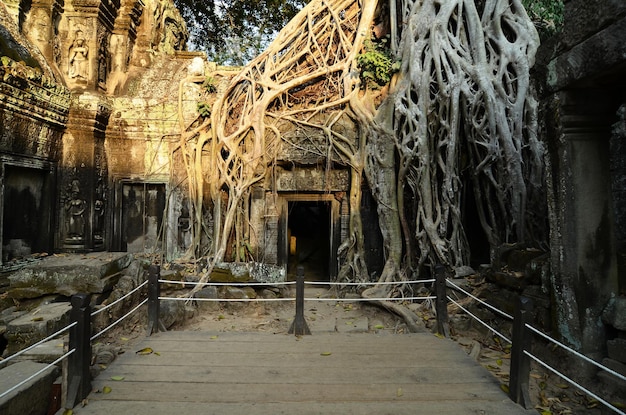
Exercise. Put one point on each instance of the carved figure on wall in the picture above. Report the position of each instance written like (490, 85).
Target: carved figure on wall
(79, 55)
(75, 214)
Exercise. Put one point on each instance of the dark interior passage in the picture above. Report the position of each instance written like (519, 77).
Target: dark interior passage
(309, 239)
(143, 209)
(25, 218)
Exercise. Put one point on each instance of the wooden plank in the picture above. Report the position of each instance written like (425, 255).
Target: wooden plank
(315, 408)
(290, 392)
(259, 374)
(296, 375)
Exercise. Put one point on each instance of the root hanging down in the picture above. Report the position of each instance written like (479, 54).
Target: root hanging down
(459, 116)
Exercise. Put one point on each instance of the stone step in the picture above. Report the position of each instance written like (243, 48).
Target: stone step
(33, 397)
(36, 325)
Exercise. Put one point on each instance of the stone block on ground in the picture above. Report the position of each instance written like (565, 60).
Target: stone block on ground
(617, 349)
(615, 313)
(68, 275)
(248, 272)
(47, 352)
(36, 325)
(33, 397)
(207, 293)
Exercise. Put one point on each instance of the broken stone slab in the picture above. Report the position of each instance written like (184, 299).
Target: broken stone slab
(248, 272)
(36, 325)
(47, 352)
(615, 313)
(68, 275)
(208, 293)
(33, 396)
(616, 349)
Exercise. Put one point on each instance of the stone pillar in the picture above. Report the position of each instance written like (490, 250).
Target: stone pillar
(84, 176)
(85, 58)
(618, 175)
(580, 202)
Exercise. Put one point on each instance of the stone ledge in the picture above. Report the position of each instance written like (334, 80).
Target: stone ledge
(33, 397)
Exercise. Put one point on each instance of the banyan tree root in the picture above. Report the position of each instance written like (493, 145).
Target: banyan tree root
(459, 118)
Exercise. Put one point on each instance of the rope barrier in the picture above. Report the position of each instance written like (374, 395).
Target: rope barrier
(368, 283)
(33, 376)
(260, 300)
(50, 337)
(556, 372)
(231, 284)
(143, 284)
(578, 354)
(480, 321)
(502, 313)
(217, 300)
(95, 336)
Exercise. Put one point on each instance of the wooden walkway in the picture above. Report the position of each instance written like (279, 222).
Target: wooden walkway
(259, 373)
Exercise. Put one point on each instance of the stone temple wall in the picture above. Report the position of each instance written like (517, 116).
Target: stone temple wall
(584, 89)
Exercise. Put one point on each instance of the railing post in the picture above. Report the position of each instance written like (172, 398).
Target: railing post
(520, 362)
(154, 292)
(299, 326)
(78, 373)
(441, 306)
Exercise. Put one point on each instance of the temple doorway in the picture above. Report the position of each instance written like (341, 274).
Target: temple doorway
(26, 213)
(310, 236)
(142, 213)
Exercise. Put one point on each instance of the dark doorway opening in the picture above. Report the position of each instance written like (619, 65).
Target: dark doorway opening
(26, 213)
(476, 237)
(143, 209)
(309, 239)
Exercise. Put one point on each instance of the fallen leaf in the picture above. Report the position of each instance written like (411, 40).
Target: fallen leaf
(379, 327)
(117, 378)
(68, 412)
(213, 337)
(106, 389)
(326, 353)
(504, 387)
(38, 319)
(145, 351)
(562, 385)
(499, 362)
(399, 392)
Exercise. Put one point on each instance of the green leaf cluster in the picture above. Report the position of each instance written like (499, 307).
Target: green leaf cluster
(547, 15)
(209, 85)
(376, 64)
(204, 109)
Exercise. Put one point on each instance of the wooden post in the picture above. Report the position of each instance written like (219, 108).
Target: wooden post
(299, 326)
(520, 362)
(78, 373)
(443, 326)
(154, 291)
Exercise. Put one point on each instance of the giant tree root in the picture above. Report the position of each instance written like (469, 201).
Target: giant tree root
(412, 320)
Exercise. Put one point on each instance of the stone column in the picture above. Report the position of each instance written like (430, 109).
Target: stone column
(84, 176)
(584, 272)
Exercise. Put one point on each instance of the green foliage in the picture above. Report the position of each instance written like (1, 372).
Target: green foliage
(376, 64)
(547, 15)
(233, 32)
(204, 109)
(209, 85)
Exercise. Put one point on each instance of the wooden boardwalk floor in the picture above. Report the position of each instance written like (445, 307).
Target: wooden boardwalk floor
(259, 373)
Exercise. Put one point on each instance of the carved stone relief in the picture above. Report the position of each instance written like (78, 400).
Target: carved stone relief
(78, 58)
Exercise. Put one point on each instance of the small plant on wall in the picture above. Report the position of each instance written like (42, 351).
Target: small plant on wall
(376, 64)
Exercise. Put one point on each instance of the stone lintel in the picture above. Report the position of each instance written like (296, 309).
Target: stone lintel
(313, 180)
(591, 59)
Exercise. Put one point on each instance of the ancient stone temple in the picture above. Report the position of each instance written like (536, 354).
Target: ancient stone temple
(88, 124)
(585, 106)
